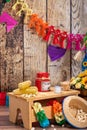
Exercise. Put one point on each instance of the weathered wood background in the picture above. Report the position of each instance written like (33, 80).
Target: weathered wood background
(23, 53)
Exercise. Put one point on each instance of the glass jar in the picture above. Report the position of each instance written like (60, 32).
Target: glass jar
(42, 81)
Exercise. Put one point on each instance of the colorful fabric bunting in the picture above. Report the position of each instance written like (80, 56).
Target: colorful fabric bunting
(58, 37)
(76, 39)
(10, 22)
(55, 52)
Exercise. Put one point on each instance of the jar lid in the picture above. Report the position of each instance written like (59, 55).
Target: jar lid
(42, 74)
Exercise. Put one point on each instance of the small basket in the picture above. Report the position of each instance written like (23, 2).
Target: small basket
(71, 105)
(65, 85)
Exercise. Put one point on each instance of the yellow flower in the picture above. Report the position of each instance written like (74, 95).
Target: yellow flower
(82, 74)
(84, 80)
(86, 86)
(78, 85)
(75, 80)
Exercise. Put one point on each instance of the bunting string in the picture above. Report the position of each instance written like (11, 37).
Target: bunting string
(60, 38)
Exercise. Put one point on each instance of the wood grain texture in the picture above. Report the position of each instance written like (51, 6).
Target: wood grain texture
(2, 44)
(84, 16)
(79, 13)
(11, 55)
(59, 16)
(34, 46)
(23, 53)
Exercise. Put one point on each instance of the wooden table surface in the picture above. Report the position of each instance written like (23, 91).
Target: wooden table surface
(47, 95)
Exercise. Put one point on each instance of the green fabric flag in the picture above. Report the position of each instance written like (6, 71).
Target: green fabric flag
(4, 1)
(7, 0)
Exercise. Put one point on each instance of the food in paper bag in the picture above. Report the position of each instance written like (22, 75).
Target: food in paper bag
(24, 85)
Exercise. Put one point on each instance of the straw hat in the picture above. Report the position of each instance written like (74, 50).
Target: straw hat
(75, 111)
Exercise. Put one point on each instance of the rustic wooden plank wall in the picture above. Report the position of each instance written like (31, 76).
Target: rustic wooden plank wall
(23, 53)
(35, 49)
(11, 53)
(2, 44)
(79, 25)
(34, 46)
(84, 16)
(59, 16)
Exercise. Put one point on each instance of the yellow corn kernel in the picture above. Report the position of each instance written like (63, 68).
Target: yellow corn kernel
(32, 90)
(24, 85)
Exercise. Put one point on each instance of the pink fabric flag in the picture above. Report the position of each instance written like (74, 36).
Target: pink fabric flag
(10, 22)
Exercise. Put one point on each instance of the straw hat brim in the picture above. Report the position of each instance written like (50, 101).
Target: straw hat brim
(77, 103)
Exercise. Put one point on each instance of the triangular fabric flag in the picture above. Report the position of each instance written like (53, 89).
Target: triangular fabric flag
(55, 52)
(10, 22)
